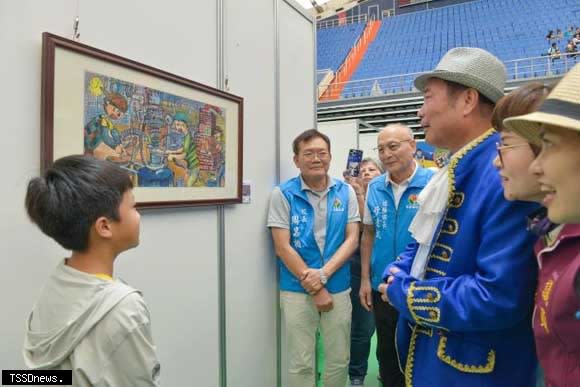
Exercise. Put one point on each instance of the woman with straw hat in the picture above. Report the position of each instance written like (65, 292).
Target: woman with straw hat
(556, 126)
(515, 155)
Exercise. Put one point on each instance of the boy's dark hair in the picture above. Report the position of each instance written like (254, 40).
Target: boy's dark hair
(72, 194)
(306, 136)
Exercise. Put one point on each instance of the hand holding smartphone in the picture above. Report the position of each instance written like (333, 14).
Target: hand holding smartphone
(353, 163)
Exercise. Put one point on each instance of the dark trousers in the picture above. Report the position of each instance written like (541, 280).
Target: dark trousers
(361, 330)
(386, 322)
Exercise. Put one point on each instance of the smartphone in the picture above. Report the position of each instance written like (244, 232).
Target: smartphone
(353, 163)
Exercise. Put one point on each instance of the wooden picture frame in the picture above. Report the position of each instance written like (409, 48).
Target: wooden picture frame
(179, 140)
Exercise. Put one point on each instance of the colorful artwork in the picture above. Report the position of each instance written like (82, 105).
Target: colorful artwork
(161, 139)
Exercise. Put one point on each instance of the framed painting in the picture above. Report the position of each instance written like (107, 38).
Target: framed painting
(180, 141)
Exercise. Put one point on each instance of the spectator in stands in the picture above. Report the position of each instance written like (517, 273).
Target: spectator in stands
(363, 323)
(569, 33)
(314, 221)
(558, 36)
(464, 314)
(556, 126)
(550, 35)
(391, 204)
(554, 52)
(576, 39)
(571, 50)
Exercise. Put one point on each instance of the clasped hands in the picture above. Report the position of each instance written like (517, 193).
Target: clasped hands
(385, 285)
(310, 280)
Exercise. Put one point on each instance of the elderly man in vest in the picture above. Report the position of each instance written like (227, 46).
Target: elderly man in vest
(465, 290)
(314, 221)
(391, 204)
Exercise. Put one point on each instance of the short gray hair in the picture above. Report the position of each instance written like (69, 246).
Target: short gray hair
(375, 161)
(399, 125)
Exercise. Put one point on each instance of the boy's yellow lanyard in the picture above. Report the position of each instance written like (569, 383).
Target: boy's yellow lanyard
(102, 276)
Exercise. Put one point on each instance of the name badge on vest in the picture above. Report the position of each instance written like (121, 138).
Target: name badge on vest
(337, 206)
(412, 202)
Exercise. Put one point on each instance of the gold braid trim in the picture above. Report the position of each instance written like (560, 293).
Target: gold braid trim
(410, 359)
(434, 297)
(469, 368)
(434, 313)
(458, 156)
(440, 272)
(425, 331)
(410, 300)
(454, 229)
(445, 255)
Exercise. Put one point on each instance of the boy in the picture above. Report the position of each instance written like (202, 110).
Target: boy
(84, 319)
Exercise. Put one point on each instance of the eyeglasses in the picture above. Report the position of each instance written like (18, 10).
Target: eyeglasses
(393, 146)
(500, 148)
(322, 155)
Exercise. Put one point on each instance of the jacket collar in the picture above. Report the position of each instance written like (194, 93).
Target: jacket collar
(570, 231)
(417, 180)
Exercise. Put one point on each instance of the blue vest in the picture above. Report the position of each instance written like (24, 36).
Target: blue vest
(302, 234)
(391, 223)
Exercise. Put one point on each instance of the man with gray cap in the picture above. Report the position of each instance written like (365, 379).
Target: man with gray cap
(464, 291)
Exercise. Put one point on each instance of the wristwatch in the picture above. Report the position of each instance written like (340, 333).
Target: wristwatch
(323, 277)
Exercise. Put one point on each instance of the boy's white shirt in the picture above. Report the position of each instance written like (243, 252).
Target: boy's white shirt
(98, 328)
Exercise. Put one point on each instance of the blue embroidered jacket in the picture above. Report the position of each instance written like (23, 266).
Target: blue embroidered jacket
(302, 234)
(468, 323)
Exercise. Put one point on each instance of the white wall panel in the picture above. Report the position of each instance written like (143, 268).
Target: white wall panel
(251, 286)
(368, 143)
(297, 63)
(343, 137)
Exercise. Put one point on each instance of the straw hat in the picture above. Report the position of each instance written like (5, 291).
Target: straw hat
(471, 67)
(560, 108)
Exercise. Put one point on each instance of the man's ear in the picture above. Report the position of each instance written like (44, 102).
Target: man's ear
(470, 101)
(295, 158)
(103, 227)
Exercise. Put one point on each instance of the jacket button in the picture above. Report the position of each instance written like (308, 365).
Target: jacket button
(444, 254)
(432, 314)
(430, 296)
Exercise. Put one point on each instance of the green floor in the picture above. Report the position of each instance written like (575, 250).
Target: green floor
(373, 369)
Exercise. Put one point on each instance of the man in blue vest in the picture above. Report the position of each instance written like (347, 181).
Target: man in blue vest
(391, 204)
(314, 221)
(465, 290)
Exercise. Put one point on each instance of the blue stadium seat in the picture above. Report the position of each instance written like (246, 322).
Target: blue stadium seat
(414, 42)
(334, 44)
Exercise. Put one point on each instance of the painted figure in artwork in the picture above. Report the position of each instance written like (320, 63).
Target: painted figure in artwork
(101, 138)
(182, 151)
